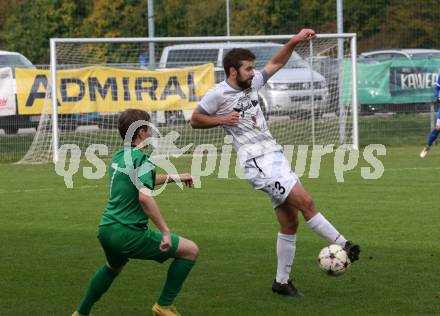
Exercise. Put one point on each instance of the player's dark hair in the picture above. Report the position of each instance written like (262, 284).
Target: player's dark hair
(130, 116)
(235, 57)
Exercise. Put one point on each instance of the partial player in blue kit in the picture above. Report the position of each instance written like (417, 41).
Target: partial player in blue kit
(434, 133)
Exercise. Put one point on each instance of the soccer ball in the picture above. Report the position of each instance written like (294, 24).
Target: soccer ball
(333, 260)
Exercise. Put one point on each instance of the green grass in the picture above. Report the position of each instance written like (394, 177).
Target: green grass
(395, 129)
(14, 147)
(49, 248)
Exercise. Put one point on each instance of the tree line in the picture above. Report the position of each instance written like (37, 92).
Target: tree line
(26, 26)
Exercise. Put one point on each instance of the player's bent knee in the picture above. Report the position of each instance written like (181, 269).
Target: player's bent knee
(115, 270)
(308, 207)
(302, 199)
(194, 252)
(187, 249)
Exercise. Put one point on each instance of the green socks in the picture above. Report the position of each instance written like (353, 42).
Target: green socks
(103, 278)
(177, 273)
(99, 284)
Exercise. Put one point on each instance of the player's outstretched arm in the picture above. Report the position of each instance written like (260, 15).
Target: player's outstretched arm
(282, 56)
(185, 178)
(151, 209)
(202, 120)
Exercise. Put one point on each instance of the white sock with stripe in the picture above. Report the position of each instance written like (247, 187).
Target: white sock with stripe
(325, 229)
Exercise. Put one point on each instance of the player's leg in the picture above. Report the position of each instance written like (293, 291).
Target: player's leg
(99, 284)
(431, 138)
(111, 238)
(184, 260)
(286, 248)
(300, 199)
(433, 135)
(286, 242)
(184, 253)
(276, 179)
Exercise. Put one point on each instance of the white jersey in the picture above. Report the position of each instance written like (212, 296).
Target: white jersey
(252, 137)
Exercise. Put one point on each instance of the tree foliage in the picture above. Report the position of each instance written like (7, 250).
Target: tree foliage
(116, 18)
(4, 13)
(26, 26)
(412, 27)
(264, 17)
(31, 24)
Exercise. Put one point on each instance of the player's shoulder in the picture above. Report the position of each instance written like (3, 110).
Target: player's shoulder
(134, 155)
(141, 157)
(221, 87)
(218, 91)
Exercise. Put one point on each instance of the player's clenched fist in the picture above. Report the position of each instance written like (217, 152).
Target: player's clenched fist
(305, 34)
(165, 243)
(231, 119)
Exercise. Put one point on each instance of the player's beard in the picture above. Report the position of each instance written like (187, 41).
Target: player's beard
(244, 84)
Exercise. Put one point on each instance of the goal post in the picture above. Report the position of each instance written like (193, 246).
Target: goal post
(354, 98)
(312, 100)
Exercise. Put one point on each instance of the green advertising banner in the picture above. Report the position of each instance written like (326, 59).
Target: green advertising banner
(394, 82)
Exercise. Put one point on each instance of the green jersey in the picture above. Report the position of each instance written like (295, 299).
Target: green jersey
(129, 170)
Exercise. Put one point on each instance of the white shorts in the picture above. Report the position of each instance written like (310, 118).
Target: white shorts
(438, 122)
(272, 174)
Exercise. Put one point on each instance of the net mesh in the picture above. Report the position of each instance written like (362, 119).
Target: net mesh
(308, 102)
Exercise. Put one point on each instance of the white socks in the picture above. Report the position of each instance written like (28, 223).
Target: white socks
(323, 228)
(286, 246)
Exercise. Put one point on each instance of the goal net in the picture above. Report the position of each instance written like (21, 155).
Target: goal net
(310, 101)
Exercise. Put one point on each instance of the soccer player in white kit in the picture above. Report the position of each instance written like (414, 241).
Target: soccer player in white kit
(234, 104)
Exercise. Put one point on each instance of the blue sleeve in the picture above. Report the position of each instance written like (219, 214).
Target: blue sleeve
(437, 87)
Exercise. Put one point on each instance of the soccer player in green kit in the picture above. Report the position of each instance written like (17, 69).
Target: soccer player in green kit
(124, 233)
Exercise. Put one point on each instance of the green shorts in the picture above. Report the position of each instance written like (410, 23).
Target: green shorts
(121, 243)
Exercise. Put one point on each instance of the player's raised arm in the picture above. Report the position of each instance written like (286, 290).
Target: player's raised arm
(282, 56)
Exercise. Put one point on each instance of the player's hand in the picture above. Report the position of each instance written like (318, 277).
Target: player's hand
(165, 243)
(231, 119)
(187, 179)
(305, 35)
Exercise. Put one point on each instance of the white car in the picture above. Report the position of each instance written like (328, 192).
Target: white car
(288, 92)
(393, 54)
(11, 123)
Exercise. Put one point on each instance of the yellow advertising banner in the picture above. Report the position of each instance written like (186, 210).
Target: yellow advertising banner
(106, 90)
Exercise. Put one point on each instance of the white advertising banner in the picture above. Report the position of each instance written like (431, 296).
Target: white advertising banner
(7, 95)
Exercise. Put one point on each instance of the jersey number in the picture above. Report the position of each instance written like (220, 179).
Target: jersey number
(279, 187)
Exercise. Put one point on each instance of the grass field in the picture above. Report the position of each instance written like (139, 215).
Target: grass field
(49, 248)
